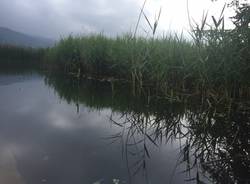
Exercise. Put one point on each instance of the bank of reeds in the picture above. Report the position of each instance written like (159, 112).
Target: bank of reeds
(214, 64)
(138, 60)
(171, 65)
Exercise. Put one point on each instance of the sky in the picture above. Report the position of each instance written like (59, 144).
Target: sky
(59, 18)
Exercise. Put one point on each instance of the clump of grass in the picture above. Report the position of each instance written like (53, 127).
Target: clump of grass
(166, 62)
(224, 55)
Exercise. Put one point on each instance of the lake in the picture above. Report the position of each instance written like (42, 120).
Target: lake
(56, 130)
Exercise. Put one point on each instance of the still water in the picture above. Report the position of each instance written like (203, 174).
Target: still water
(56, 131)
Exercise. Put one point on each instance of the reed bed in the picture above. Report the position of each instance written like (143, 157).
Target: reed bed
(125, 57)
(172, 65)
(213, 65)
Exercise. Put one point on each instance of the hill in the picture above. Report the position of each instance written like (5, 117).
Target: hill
(10, 37)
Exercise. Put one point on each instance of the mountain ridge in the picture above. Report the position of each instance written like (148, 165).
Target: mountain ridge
(12, 37)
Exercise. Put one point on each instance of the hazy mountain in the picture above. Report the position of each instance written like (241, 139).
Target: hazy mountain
(8, 36)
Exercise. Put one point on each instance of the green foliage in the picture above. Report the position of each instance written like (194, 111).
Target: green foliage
(225, 62)
(138, 60)
(214, 65)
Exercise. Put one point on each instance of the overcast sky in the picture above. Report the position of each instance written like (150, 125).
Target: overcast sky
(55, 18)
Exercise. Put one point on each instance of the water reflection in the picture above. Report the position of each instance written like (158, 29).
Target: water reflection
(214, 143)
(57, 130)
(214, 139)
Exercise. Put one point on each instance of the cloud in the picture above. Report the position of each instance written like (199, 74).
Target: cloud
(55, 18)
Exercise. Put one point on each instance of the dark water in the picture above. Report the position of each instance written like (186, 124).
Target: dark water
(56, 131)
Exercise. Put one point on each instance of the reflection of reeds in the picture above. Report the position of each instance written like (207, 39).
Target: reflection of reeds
(216, 144)
(139, 130)
(214, 136)
(14, 57)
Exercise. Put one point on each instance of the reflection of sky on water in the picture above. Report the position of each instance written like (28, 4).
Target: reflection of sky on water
(52, 143)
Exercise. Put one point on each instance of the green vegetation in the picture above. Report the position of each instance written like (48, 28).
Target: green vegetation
(141, 61)
(215, 65)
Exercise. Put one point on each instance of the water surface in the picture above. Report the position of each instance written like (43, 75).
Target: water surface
(56, 131)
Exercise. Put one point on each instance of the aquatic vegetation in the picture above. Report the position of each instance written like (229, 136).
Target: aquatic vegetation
(214, 65)
(170, 64)
(137, 60)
